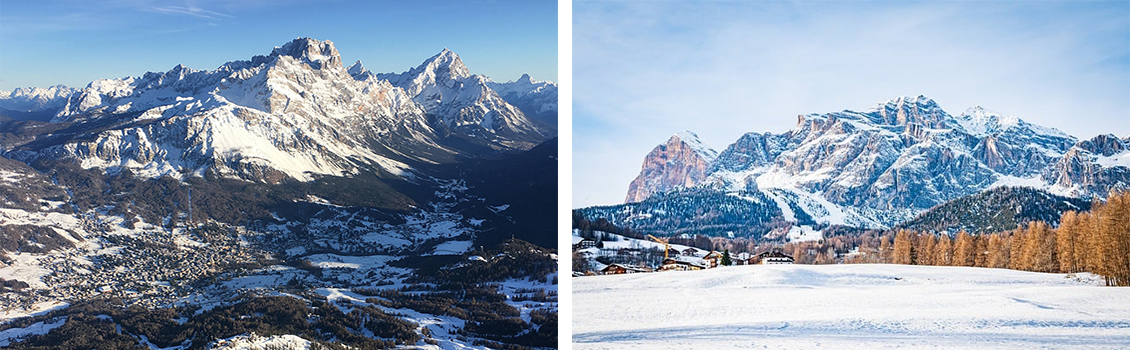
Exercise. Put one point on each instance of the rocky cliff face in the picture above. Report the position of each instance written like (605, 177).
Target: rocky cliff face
(1093, 166)
(681, 162)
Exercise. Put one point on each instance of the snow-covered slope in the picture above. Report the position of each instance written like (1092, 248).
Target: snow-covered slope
(848, 307)
(903, 156)
(295, 113)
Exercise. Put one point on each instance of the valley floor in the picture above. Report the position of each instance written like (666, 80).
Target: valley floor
(849, 307)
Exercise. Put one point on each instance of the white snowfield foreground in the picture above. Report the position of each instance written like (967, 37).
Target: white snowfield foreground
(849, 307)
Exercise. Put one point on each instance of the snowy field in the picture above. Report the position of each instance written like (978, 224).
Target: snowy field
(849, 307)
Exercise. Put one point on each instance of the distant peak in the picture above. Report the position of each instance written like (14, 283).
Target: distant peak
(525, 79)
(978, 120)
(318, 54)
(445, 64)
(356, 68)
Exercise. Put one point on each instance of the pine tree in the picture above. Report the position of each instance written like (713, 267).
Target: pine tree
(884, 249)
(828, 256)
(981, 251)
(902, 248)
(1015, 246)
(998, 252)
(1067, 236)
(726, 260)
(1039, 248)
(928, 248)
(1121, 231)
(1090, 225)
(944, 254)
(1113, 238)
(963, 250)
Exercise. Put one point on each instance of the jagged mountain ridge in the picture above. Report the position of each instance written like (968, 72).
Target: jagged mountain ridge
(881, 167)
(34, 103)
(444, 87)
(296, 113)
(537, 99)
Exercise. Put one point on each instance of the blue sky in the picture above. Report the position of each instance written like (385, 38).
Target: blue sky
(49, 42)
(643, 71)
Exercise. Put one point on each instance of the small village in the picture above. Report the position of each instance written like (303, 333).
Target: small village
(638, 259)
(153, 268)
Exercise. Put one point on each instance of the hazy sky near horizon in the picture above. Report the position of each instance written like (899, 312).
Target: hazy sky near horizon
(73, 42)
(645, 70)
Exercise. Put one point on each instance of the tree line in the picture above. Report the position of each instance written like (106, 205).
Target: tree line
(1096, 241)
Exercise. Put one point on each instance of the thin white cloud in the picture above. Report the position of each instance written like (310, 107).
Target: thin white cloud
(189, 10)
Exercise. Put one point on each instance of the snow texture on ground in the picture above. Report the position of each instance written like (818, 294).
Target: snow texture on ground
(10, 335)
(256, 342)
(849, 307)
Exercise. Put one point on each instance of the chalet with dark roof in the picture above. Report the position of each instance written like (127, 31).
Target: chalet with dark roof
(771, 257)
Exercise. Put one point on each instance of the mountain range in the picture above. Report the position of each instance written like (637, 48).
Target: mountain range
(294, 114)
(877, 168)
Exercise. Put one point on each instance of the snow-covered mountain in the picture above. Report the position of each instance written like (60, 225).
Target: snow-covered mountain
(295, 113)
(537, 99)
(885, 165)
(444, 87)
(34, 103)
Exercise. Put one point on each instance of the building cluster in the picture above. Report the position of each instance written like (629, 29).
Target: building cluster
(148, 269)
(635, 259)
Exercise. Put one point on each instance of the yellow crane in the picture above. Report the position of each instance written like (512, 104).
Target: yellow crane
(666, 246)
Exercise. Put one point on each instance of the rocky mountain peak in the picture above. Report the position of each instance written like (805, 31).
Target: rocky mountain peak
(690, 139)
(1105, 145)
(445, 65)
(317, 54)
(904, 110)
(357, 71)
(980, 121)
(681, 162)
(444, 87)
(443, 69)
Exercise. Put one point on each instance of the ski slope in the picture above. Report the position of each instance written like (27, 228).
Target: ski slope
(849, 307)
